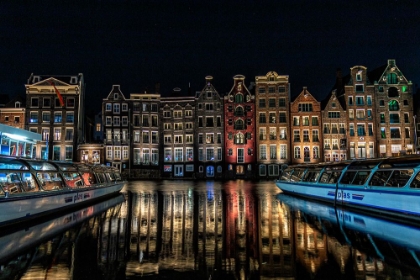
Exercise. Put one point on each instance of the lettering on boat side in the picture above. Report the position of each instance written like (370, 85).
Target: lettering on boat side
(347, 195)
(68, 199)
(86, 195)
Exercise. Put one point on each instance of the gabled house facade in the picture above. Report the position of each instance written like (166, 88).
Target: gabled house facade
(143, 126)
(359, 95)
(306, 137)
(55, 109)
(177, 114)
(395, 132)
(334, 128)
(239, 128)
(115, 108)
(272, 99)
(209, 136)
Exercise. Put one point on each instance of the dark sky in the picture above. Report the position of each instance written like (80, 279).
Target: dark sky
(138, 43)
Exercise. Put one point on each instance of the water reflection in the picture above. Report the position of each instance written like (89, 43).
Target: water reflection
(210, 230)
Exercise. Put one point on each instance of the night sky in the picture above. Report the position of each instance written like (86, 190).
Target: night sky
(176, 43)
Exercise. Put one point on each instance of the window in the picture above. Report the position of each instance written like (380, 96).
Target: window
(125, 107)
(395, 132)
(370, 129)
(70, 117)
(383, 133)
(47, 103)
(305, 107)
(296, 136)
(209, 107)
(33, 117)
(239, 138)
(210, 154)
(261, 103)
(282, 117)
(124, 121)
(188, 113)
(315, 136)
(282, 102)
(263, 152)
(178, 154)
(369, 100)
(167, 114)
(154, 120)
(145, 120)
(57, 117)
(360, 114)
(315, 121)
(334, 115)
(350, 100)
(209, 122)
(272, 117)
(69, 134)
(262, 133)
(283, 135)
(296, 121)
(168, 154)
(297, 152)
(69, 153)
(360, 88)
(189, 138)
(361, 130)
(189, 155)
(178, 139)
(282, 89)
(351, 128)
(146, 137)
(34, 102)
(116, 121)
(393, 105)
(167, 139)
(177, 114)
(57, 134)
(283, 151)
(261, 90)
(273, 152)
(406, 118)
(394, 118)
(117, 152)
(360, 100)
(262, 118)
(70, 102)
(272, 103)
(306, 136)
(359, 76)
(46, 117)
(392, 78)
(209, 138)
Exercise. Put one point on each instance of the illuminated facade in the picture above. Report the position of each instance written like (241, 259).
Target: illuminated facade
(272, 98)
(305, 116)
(239, 129)
(334, 128)
(61, 127)
(394, 112)
(13, 113)
(115, 122)
(209, 132)
(144, 129)
(177, 115)
(359, 94)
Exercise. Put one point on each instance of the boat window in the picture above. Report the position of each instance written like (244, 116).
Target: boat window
(88, 178)
(380, 178)
(110, 176)
(73, 179)
(348, 177)
(285, 175)
(297, 174)
(101, 178)
(10, 164)
(67, 167)
(399, 178)
(312, 175)
(360, 178)
(334, 177)
(50, 181)
(10, 182)
(117, 176)
(44, 166)
(29, 183)
(415, 184)
(325, 177)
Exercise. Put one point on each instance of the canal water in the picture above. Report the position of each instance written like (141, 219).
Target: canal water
(210, 230)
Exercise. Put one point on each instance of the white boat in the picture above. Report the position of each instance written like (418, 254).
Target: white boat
(33, 188)
(387, 186)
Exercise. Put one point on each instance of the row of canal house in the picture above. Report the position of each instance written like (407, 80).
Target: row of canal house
(247, 133)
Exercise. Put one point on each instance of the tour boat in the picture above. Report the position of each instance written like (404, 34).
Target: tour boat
(387, 186)
(33, 188)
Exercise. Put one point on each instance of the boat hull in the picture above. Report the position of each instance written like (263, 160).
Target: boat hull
(398, 202)
(19, 208)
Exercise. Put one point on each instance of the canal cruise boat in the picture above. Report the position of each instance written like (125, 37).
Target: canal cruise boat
(388, 186)
(32, 188)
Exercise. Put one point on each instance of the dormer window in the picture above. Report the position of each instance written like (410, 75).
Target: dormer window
(115, 95)
(17, 104)
(73, 80)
